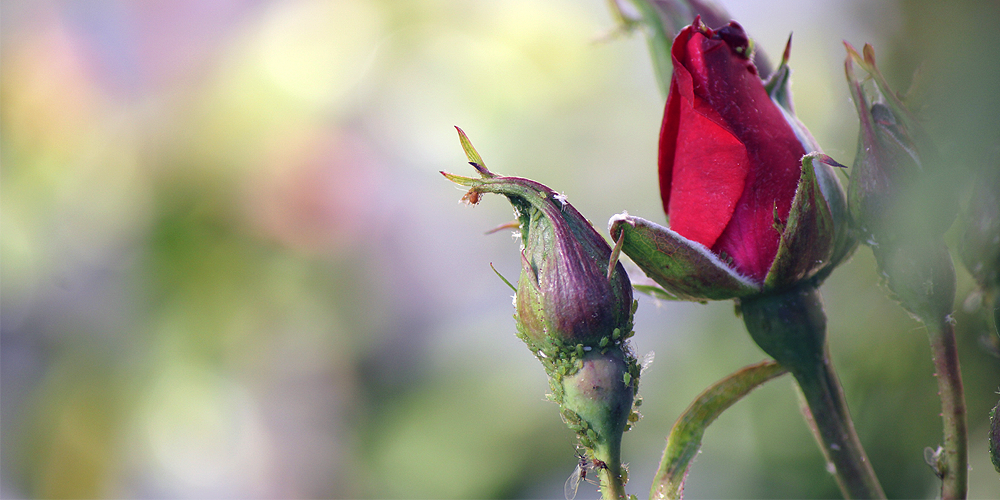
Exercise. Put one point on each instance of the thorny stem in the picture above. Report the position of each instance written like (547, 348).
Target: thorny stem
(831, 423)
(953, 463)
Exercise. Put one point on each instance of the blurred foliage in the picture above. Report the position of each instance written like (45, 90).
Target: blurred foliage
(230, 268)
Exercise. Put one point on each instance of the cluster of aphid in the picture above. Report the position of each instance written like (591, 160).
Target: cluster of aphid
(561, 360)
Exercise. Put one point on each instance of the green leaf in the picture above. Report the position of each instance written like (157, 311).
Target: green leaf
(685, 436)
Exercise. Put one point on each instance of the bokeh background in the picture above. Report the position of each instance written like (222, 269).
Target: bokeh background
(231, 269)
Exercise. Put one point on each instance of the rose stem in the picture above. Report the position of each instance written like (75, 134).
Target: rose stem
(612, 487)
(790, 326)
(953, 467)
(831, 423)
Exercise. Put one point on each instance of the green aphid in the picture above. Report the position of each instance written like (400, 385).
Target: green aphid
(571, 416)
(603, 342)
(628, 378)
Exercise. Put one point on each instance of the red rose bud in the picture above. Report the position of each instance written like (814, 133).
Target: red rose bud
(729, 161)
(749, 210)
(898, 189)
(573, 314)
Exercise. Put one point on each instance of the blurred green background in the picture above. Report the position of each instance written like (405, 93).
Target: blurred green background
(231, 269)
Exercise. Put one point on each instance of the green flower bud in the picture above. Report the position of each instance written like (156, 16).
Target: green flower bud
(980, 247)
(574, 315)
(898, 197)
(565, 294)
(898, 189)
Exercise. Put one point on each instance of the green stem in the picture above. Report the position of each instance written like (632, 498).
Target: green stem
(612, 481)
(953, 464)
(791, 327)
(612, 484)
(831, 423)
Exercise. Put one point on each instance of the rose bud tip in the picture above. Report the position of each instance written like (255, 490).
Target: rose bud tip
(788, 50)
(474, 159)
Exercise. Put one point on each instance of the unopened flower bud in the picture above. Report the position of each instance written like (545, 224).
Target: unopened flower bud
(898, 187)
(574, 315)
(899, 202)
(754, 206)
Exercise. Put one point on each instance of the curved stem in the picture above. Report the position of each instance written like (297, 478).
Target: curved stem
(953, 464)
(791, 327)
(831, 423)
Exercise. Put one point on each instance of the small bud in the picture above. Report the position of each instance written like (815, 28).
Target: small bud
(898, 188)
(564, 295)
(898, 197)
(573, 313)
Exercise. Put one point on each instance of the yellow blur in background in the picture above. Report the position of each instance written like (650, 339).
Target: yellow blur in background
(230, 268)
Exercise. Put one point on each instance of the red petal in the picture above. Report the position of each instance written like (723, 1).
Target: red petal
(703, 166)
(709, 173)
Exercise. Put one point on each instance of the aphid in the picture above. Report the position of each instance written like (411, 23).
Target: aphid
(646, 361)
(561, 198)
(579, 473)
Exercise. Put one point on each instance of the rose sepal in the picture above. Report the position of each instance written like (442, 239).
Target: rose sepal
(813, 240)
(686, 270)
(778, 87)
